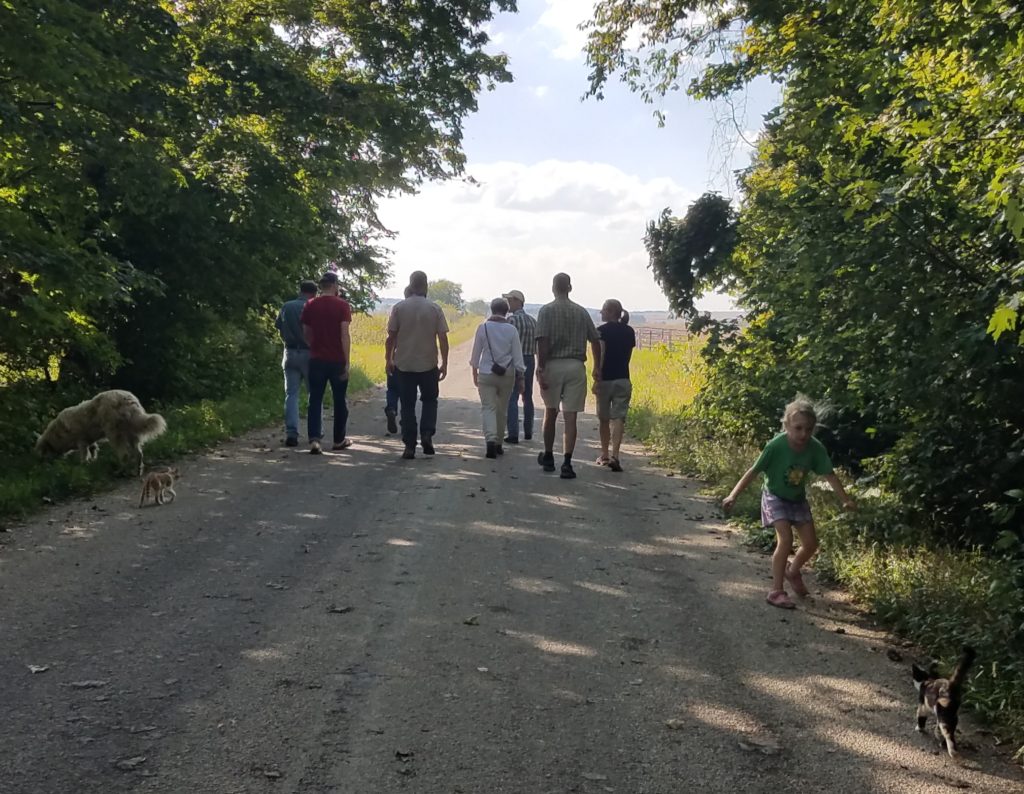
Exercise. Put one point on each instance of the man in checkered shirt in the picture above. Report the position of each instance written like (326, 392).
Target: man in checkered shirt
(526, 326)
(563, 330)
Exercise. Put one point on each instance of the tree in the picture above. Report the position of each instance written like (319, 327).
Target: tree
(881, 229)
(167, 169)
(691, 255)
(478, 307)
(448, 292)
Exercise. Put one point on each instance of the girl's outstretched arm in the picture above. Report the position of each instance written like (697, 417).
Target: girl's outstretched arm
(837, 486)
(745, 480)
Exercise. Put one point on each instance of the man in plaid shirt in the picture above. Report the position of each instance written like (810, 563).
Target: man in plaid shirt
(526, 326)
(563, 330)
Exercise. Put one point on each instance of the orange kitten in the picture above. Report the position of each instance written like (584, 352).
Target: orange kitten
(159, 483)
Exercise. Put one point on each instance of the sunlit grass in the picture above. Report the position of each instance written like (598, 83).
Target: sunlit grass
(667, 379)
(369, 359)
(369, 332)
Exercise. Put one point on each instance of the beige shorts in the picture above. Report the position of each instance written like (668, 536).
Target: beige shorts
(567, 384)
(613, 398)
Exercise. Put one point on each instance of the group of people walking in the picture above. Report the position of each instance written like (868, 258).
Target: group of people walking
(510, 350)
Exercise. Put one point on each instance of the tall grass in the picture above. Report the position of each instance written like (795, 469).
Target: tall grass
(369, 333)
(665, 382)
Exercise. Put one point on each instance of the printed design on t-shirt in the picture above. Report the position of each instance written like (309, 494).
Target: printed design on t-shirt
(796, 475)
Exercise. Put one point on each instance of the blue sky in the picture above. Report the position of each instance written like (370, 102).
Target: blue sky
(564, 184)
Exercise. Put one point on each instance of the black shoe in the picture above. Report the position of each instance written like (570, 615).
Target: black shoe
(492, 450)
(527, 436)
(510, 440)
(498, 448)
(567, 472)
(291, 441)
(547, 461)
(392, 424)
(409, 454)
(428, 445)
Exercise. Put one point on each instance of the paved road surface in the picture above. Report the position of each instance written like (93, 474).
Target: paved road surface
(357, 623)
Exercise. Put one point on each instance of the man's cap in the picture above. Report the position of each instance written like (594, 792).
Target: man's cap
(515, 294)
(330, 277)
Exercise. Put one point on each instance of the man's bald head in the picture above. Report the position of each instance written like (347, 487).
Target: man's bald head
(561, 284)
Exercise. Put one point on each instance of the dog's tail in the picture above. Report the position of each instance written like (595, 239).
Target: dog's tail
(967, 656)
(148, 426)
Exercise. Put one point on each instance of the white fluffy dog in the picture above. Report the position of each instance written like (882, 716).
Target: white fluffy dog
(116, 416)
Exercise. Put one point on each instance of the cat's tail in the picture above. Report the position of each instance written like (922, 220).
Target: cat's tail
(967, 656)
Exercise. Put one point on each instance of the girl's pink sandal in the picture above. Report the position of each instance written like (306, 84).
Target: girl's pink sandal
(778, 598)
(796, 581)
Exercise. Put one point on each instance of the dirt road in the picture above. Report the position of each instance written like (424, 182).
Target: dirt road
(358, 623)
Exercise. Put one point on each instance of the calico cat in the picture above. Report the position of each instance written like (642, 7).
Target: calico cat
(942, 697)
(159, 483)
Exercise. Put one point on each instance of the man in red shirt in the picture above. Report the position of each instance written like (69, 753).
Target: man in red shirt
(325, 325)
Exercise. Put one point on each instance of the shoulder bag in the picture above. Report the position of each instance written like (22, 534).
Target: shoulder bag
(496, 368)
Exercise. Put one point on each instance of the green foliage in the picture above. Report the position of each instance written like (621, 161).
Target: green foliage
(28, 481)
(880, 242)
(691, 255)
(939, 597)
(877, 256)
(167, 169)
(447, 292)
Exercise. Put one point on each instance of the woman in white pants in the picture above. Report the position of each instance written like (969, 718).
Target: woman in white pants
(498, 368)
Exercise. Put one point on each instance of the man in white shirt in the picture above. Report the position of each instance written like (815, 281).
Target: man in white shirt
(498, 367)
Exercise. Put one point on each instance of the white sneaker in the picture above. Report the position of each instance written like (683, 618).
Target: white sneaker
(314, 448)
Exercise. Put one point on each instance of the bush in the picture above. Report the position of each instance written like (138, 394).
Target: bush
(937, 595)
(941, 598)
(26, 407)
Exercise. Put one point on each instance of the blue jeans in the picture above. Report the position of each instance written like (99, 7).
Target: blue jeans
(320, 374)
(513, 403)
(391, 397)
(295, 364)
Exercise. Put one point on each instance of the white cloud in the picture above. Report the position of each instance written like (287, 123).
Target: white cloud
(520, 224)
(563, 18)
(539, 91)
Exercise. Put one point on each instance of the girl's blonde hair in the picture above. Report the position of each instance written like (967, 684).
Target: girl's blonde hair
(801, 405)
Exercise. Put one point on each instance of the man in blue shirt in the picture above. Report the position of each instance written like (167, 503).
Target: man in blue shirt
(295, 361)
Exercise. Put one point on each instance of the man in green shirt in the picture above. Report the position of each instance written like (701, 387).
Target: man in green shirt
(563, 330)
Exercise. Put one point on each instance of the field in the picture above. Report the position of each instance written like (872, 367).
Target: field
(666, 379)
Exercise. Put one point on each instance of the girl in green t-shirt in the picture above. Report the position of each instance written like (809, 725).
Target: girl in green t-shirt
(786, 462)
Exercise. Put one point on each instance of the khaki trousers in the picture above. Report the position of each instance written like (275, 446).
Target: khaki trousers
(495, 391)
